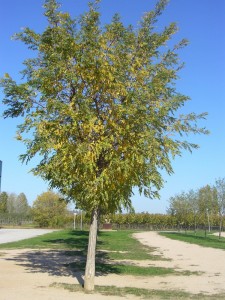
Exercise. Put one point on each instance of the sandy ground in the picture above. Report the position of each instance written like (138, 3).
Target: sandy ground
(208, 261)
(28, 274)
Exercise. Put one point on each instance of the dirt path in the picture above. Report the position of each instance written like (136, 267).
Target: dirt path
(28, 274)
(210, 262)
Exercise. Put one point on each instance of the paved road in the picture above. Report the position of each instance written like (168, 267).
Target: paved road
(12, 235)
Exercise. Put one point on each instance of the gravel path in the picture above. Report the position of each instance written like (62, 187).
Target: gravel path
(12, 235)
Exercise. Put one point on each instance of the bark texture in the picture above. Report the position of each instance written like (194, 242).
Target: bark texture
(90, 263)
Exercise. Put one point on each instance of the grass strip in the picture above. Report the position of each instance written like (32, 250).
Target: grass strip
(122, 245)
(197, 238)
(139, 292)
(124, 269)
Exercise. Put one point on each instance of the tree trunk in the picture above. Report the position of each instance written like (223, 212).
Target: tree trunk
(90, 263)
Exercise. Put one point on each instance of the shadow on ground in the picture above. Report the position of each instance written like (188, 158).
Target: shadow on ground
(53, 262)
(64, 262)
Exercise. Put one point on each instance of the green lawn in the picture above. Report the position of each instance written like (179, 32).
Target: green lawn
(64, 239)
(121, 245)
(197, 238)
(111, 246)
(118, 244)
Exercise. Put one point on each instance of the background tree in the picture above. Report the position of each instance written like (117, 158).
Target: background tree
(185, 207)
(11, 203)
(49, 210)
(181, 208)
(208, 203)
(3, 202)
(22, 206)
(192, 199)
(102, 106)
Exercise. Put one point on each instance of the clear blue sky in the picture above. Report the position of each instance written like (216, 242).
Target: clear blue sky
(202, 22)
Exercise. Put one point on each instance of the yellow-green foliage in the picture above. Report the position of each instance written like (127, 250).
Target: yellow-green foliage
(101, 103)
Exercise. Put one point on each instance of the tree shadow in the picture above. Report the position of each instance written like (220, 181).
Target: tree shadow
(53, 262)
(69, 263)
(76, 239)
(61, 262)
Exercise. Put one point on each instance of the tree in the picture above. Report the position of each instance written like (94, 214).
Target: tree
(49, 210)
(102, 107)
(3, 202)
(22, 206)
(180, 207)
(11, 203)
(192, 198)
(185, 206)
(208, 203)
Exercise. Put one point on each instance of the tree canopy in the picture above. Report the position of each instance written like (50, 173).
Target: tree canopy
(101, 105)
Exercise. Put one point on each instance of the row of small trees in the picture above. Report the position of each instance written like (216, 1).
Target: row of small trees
(200, 208)
(14, 209)
(13, 204)
(48, 210)
(203, 206)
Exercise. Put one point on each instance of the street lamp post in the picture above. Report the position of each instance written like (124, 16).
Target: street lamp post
(81, 221)
(207, 212)
(74, 220)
